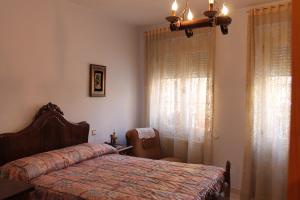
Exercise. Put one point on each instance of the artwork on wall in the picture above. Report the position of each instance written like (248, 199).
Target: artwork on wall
(97, 80)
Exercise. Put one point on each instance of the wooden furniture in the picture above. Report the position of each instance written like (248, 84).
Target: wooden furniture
(124, 150)
(294, 163)
(50, 130)
(10, 190)
(147, 148)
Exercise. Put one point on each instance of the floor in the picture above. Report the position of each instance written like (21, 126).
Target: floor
(234, 195)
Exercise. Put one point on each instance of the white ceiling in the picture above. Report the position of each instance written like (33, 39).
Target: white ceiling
(150, 12)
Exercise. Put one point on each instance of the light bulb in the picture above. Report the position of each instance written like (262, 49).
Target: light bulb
(190, 15)
(225, 10)
(211, 5)
(174, 6)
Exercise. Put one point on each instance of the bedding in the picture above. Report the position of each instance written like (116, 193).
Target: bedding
(97, 172)
(25, 169)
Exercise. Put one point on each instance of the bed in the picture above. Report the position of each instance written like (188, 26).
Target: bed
(54, 156)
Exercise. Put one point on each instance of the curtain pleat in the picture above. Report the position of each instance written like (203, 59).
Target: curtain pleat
(268, 103)
(179, 91)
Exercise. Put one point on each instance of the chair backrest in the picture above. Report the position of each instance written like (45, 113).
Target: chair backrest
(144, 148)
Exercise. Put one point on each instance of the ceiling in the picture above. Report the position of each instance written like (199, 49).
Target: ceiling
(150, 12)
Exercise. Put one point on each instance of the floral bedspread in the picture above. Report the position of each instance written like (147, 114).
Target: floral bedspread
(89, 171)
(121, 177)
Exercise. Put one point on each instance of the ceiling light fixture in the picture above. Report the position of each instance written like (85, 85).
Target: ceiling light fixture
(214, 18)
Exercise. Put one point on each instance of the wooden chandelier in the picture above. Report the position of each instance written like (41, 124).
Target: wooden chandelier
(213, 18)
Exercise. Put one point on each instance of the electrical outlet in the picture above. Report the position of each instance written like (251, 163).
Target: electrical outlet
(94, 132)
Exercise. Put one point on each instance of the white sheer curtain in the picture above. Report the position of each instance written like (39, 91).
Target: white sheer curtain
(179, 87)
(269, 103)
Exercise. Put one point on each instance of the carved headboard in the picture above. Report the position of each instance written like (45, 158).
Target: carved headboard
(48, 131)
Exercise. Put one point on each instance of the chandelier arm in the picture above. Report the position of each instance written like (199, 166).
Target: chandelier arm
(223, 21)
(217, 6)
(189, 33)
(196, 23)
(182, 15)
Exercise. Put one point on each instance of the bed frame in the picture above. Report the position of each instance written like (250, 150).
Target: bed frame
(226, 187)
(50, 130)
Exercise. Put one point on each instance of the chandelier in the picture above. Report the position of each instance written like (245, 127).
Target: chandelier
(185, 20)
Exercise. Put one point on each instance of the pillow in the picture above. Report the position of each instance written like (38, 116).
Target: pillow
(28, 168)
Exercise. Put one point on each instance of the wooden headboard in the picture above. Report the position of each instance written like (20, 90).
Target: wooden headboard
(48, 131)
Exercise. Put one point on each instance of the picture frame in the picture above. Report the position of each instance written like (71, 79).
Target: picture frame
(97, 80)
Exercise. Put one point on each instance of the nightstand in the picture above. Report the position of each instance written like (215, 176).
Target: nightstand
(124, 150)
(10, 190)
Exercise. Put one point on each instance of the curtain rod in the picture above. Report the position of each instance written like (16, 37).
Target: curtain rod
(158, 29)
(257, 7)
(270, 5)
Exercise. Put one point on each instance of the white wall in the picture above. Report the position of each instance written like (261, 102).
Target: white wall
(230, 96)
(45, 51)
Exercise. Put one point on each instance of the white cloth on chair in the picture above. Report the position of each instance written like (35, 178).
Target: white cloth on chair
(145, 133)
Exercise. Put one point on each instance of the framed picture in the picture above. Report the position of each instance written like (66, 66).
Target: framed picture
(97, 80)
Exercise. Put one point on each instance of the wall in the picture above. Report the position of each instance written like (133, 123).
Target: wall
(230, 96)
(45, 51)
